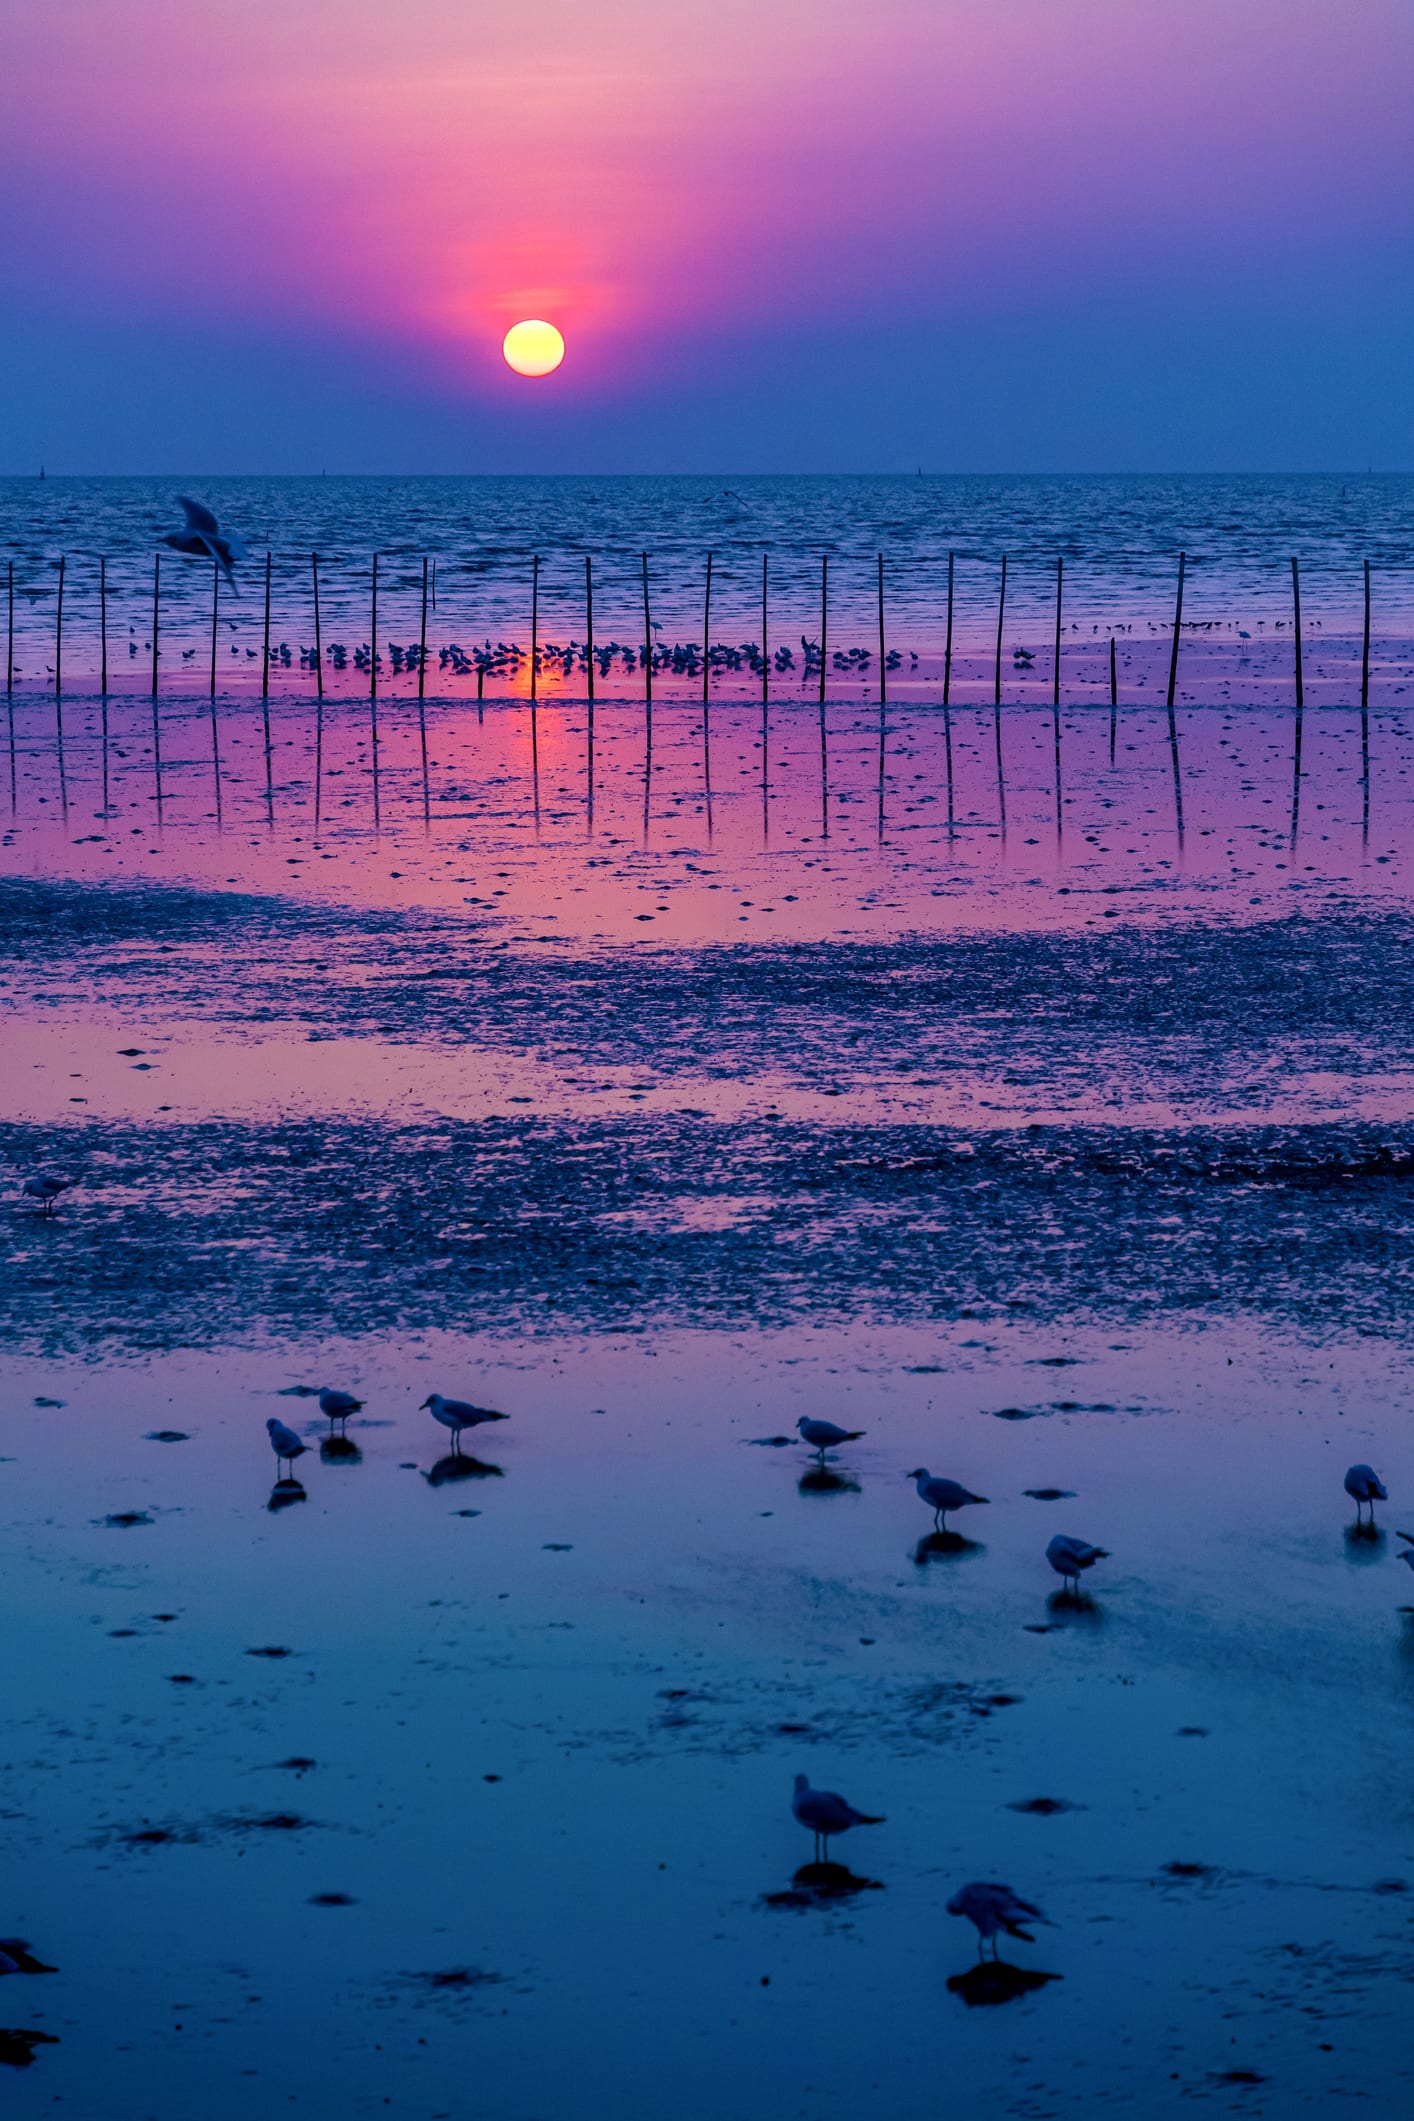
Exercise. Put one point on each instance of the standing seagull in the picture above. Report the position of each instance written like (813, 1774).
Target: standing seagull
(823, 1436)
(1068, 1556)
(825, 1813)
(337, 1405)
(202, 538)
(285, 1444)
(990, 1908)
(941, 1495)
(459, 1414)
(46, 1186)
(1363, 1485)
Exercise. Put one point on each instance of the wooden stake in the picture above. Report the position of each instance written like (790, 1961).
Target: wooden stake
(1296, 608)
(318, 637)
(156, 727)
(373, 694)
(265, 700)
(647, 645)
(883, 656)
(10, 634)
(1114, 698)
(1055, 674)
(824, 619)
(421, 699)
(589, 671)
(59, 634)
(1365, 650)
(947, 651)
(765, 635)
(215, 609)
(1177, 629)
(706, 700)
(534, 627)
(997, 701)
(103, 667)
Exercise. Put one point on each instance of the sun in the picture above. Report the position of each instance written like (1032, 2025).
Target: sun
(533, 348)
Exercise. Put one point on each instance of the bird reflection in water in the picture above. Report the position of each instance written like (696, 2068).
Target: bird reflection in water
(285, 1492)
(993, 1981)
(339, 1451)
(821, 1885)
(1077, 1607)
(823, 1480)
(946, 1546)
(1364, 1541)
(459, 1465)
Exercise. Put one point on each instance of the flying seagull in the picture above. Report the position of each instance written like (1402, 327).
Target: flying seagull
(823, 1436)
(825, 1814)
(202, 538)
(993, 1907)
(459, 1414)
(1068, 1556)
(1363, 1485)
(941, 1495)
(284, 1443)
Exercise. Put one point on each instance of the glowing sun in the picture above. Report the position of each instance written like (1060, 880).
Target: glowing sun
(533, 348)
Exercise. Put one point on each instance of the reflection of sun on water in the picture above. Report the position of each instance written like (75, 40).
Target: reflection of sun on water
(533, 348)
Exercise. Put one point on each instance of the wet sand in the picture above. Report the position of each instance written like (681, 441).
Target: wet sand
(1077, 1168)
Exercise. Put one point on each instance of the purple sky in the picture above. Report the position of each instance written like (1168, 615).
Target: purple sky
(776, 234)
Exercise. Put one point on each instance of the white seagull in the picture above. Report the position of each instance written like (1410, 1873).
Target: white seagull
(338, 1405)
(1068, 1556)
(285, 1444)
(46, 1186)
(202, 538)
(941, 1495)
(993, 1907)
(1363, 1485)
(459, 1414)
(825, 1814)
(823, 1436)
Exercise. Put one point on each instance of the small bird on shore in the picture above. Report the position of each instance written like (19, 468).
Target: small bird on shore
(337, 1404)
(941, 1495)
(992, 1908)
(823, 1436)
(1363, 1485)
(284, 1443)
(202, 538)
(826, 1813)
(459, 1414)
(46, 1186)
(1068, 1556)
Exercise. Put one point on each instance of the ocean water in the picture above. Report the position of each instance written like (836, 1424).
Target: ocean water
(1119, 539)
(1026, 1089)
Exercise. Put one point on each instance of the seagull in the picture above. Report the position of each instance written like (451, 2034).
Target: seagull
(823, 1436)
(941, 1495)
(47, 1186)
(1363, 1485)
(1068, 1556)
(337, 1405)
(202, 537)
(991, 1907)
(825, 1813)
(459, 1414)
(285, 1444)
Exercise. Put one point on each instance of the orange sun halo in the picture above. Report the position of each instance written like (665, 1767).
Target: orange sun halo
(533, 348)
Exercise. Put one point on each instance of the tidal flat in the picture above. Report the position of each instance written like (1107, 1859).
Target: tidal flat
(1067, 1152)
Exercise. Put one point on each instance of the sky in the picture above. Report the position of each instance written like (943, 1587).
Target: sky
(777, 235)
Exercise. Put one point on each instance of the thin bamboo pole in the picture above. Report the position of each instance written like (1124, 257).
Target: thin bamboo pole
(765, 631)
(824, 620)
(997, 701)
(103, 627)
(647, 644)
(1055, 672)
(373, 694)
(1114, 698)
(215, 614)
(947, 651)
(883, 653)
(707, 699)
(1177, 629)
(265, 696)
(422, 701)
(156, 726)
(59, 633)
(589, 676)
(1296, 613)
